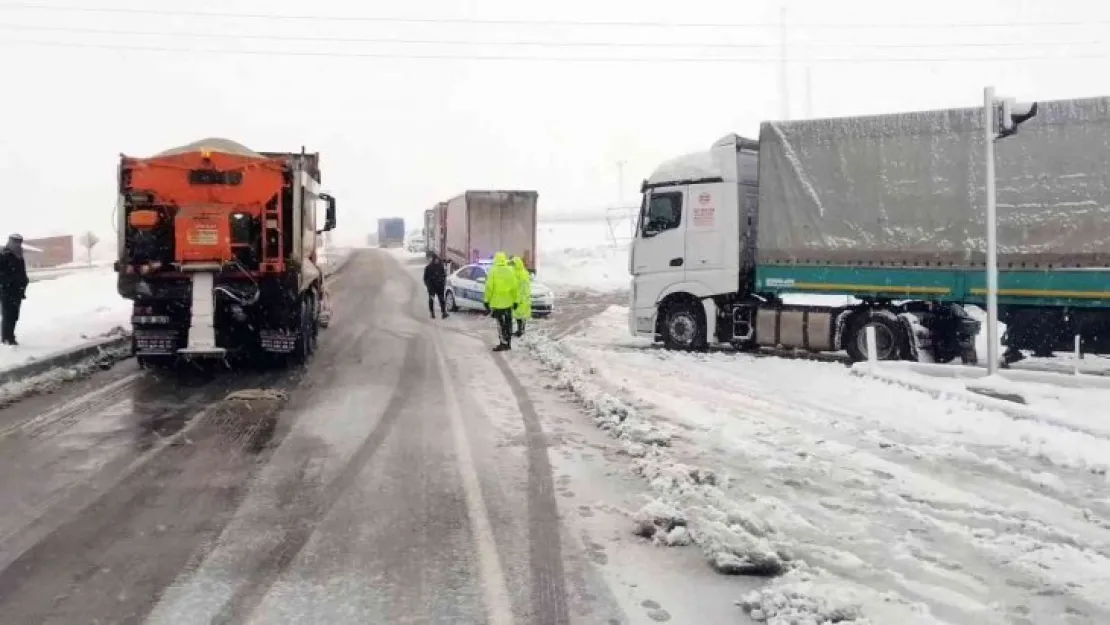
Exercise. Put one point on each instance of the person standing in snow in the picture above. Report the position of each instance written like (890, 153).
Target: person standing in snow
(523, 311)
(502, 296)
(13, 287)
(435, 280)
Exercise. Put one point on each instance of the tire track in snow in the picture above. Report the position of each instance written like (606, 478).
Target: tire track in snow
(74, 407)
(549, 593)
(304, 516)
(494, 587)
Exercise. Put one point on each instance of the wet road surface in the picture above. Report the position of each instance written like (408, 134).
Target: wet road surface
(404, 476)
(353, 494)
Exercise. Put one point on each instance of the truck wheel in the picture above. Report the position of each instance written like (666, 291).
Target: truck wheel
(302, 348)
(314, 320)
(684, 326)
(890, 337)
(452, 305)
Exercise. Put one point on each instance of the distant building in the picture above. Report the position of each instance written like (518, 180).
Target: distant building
(49, 251)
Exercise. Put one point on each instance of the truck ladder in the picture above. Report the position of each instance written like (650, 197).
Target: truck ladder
(272, 240)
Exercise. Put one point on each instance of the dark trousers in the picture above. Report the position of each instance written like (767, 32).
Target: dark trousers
(9, 310)
(504, 317)
(520, 327)
(433, 295)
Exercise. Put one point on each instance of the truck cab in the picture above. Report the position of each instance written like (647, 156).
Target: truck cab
(694, 241)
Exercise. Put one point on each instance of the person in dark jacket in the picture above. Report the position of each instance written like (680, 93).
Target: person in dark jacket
(13, 287)
(435, 280)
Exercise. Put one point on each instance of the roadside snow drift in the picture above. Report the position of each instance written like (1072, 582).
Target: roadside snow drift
(65, 312)
(582, 256)
(870, 502)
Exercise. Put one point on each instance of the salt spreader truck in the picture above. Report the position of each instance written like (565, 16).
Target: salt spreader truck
(217, 249)
(890, 211)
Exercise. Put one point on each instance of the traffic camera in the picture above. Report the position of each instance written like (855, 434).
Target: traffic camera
(1011, 114)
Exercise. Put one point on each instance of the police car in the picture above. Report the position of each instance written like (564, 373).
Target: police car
(466, 290)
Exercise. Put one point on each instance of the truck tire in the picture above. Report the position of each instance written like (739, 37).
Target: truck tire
(314, 319)
(302, 349)
(891, 342)
(684, 326)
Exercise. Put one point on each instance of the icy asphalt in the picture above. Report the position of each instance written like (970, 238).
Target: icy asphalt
(406, 476)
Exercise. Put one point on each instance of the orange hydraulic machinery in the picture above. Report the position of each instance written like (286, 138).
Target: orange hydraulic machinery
(217, 248)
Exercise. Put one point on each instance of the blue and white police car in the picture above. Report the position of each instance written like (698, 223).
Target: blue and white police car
(466, 290)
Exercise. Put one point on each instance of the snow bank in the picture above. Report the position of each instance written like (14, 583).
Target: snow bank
(47, 382)
(65, 312)
(603, 269)
(876, 503)
(583, 256)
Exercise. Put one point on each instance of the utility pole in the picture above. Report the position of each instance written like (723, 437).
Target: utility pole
(620, 182)
(784, 87)
(1001, 118)
(992, 233)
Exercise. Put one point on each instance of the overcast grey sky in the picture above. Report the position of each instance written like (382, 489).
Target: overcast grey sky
(398, 134)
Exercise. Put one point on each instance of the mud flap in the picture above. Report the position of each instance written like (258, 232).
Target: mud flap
(710, 308)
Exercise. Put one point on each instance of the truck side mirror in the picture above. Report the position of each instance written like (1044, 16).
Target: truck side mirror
(329, 214)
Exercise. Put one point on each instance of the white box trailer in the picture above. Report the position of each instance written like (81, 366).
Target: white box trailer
(480, 223)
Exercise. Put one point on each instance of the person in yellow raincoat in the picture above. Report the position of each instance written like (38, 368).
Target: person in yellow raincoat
(523, 312)
(502, 295)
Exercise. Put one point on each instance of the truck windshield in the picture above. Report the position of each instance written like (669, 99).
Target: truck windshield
(663, 212)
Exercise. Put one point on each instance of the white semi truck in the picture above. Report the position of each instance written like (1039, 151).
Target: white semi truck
(886, 211)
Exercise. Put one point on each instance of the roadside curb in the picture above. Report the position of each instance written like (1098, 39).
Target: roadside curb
(64, 358)
(98, 348)
(1007, 406)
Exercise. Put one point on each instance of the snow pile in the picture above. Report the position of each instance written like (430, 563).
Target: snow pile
(879, 502)
(689, 507)
(66, 312)
(1072, 407)
(47, 382)
(582, 255)
(601, 268)
(609, 412)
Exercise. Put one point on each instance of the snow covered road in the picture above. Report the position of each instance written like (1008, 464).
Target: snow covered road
(902, 507)
(406, 476)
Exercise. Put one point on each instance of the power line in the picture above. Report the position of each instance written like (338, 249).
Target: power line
(569, 59)
(509, 22)
(527, 43)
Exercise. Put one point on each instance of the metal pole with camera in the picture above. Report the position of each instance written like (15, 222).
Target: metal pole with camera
(1001, 118)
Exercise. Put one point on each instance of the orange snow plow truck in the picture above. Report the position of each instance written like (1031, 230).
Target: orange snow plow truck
(217, 249)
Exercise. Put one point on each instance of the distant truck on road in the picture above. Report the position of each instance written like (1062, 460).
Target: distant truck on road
(428, 233)
(477, 224)
(889, 210)
(436, 235)
(391, 232)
